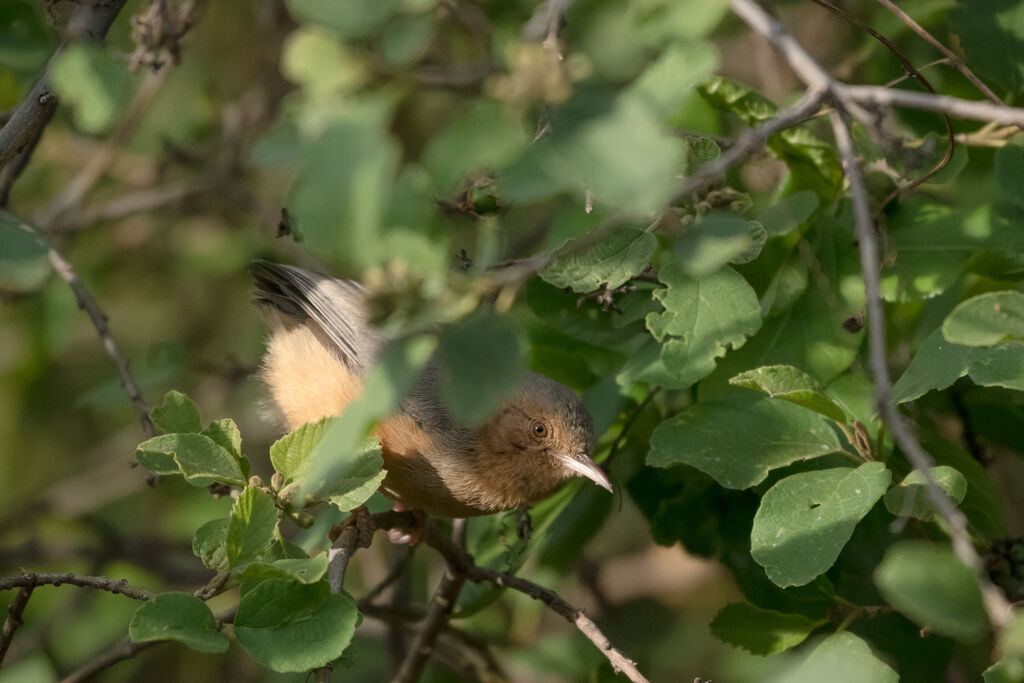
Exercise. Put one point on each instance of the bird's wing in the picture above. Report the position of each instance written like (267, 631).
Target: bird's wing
(332, 308)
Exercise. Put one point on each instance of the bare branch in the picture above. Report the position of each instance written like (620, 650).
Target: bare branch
(125, 649)
(99, 320)
(90, 21)
(954, 106)
(995, 602)
(13, 621)
(32, 580)
(437, 615)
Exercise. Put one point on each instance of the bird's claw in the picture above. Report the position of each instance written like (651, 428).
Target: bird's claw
(362, 521)
(414, 533)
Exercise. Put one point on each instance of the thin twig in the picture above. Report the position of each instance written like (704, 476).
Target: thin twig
(954, 106)
(13, 621)
(459, 558)
(953, 57)
(103, 583)
(99, 320)
(996, 605)
(125, 649)
(437, 615)
(392, 576)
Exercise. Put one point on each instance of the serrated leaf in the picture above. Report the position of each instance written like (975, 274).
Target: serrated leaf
(180, 617)
(708, 314)
(303, 570)
(480, 365)
(710, 242)
(840, 658)
(224, 433)
(289, 626)
(196, 456)
(986, 320)
(352, 485)
(604, 257)
(699, 151)
(739, 440)
(290, 454)
(209, 544)
(252, 527)
(176, 413)
(938, 363)
(928, 584)
(790, 384)
(910, 498)
(805, 520)
(760, 631)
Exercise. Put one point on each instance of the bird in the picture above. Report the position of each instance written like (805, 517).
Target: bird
(320, 348)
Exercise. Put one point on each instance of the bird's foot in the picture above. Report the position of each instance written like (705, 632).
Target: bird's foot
(415, 532)
(362, 521)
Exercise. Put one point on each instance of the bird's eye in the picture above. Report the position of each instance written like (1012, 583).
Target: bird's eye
(539, 429)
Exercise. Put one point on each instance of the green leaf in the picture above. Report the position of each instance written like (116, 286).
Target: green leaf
(699, 151)
(805, 520)
(1007, 670)
(991, 34)
(667, 82)
(616, 150)
(176, 413)
(352, 485)
(209, 544)
(180, 617)
(739, 440)
(303, 570)
(480, 365)
(711, 242)
(289, 626)
(290, 454)
(910, 498)
(938, 363)
(486, 138)
(760, 631)
(789, 213)
(197, 457)
(23, 262)
(224, 433)
(93, 82)
(926, 583)
(790, 384)
(1010, 171)
(708, 314)
(986, 320)
(351, 19)
(608, 257)
(670, 20)
(251, 529)
(840, 658)
(407, 38)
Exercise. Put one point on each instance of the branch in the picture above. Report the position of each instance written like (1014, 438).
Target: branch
(954, 106)
(996, 606)
(32, 580)
(437, 615)
(90, 21)
(99, 320)
(125, 649)
(460, 559)
(13, 621)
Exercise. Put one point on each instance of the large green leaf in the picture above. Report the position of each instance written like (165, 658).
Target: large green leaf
(196, 456)
(789, 213)
(938, 363)
(707, 314)
(805, 519)
(739, 440)
(841, 658)
(480, 366)
(607, 257)
(180, 617)
(288, 626)
(986, 320)
(712, 241)
(252, 528)
(760, 631)
(911, 499)
(914, 576)
(303, 570)
(790, 384)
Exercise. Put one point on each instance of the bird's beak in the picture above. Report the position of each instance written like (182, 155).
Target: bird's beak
(584, 466)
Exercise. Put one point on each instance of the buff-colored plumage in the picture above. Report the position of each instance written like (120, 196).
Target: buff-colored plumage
(321, 347)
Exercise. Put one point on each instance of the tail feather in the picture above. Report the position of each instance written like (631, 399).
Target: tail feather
(332, 308)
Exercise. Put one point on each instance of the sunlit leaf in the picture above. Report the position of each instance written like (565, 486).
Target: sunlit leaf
(911, 499)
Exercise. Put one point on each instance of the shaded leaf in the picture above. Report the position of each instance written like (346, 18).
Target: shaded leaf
(604, 257)
(209, 544)
(23, 262)
(739, 440)
(789, 213)
(841, 658)
(180, 617)
(485, 138)
(986, 320)
(710, 242)
(197, 457)
(928, 584)
(760, 631)
(790, 384)
(303, 570)
(911, 499)
(805, 519)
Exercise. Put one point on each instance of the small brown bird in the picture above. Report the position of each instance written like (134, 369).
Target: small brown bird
(320, 349)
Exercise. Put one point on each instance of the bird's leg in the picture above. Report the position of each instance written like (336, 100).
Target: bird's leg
(359, 518)
(415, 532)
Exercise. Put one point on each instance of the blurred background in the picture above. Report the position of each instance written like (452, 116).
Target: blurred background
(183, 141)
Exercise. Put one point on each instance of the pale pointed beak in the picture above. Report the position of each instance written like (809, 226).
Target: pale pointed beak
(585, 467)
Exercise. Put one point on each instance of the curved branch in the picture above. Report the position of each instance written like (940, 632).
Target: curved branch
(103, 583)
